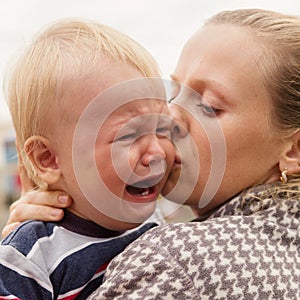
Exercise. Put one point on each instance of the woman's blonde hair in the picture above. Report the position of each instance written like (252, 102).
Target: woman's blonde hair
(65, 49)
(279, 35)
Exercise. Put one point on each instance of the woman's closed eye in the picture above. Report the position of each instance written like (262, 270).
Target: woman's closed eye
(171, 99)
(208, 110)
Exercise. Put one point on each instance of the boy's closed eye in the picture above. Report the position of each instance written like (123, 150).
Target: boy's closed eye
(125, 137)
(163, 132)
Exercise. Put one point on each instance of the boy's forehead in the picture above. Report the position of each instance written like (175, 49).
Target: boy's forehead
(143, 106)
(139, 113)
(104, 94)
(142, 109)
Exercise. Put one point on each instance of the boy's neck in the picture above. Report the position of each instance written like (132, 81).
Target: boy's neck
(77, 224)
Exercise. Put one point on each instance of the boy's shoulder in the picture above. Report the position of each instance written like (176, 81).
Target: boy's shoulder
(27, 234)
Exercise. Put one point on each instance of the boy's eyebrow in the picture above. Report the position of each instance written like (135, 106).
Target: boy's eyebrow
(120, 119)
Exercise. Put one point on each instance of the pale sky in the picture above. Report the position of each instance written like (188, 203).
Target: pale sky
(162, 26)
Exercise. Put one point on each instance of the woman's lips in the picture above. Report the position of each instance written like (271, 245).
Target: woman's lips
(177, 159)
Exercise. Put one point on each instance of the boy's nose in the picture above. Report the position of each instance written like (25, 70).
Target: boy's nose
(155, 153)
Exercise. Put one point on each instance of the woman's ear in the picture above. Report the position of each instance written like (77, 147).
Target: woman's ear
(43, 159)
(290, 159)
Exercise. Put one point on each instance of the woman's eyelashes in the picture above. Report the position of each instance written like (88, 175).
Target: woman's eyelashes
(209, 110)
(171, 99)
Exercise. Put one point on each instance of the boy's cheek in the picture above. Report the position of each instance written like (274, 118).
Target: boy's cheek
(121, 159)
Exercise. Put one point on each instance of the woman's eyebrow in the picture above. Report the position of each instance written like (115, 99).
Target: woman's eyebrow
(216, 87)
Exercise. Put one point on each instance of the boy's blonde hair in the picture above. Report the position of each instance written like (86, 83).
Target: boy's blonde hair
(63, 51)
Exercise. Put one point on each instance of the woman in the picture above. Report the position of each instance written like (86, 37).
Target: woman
(246, 242)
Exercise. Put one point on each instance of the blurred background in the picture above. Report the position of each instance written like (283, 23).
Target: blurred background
(160, 26)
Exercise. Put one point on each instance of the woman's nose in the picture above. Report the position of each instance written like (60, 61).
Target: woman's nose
(180, 124)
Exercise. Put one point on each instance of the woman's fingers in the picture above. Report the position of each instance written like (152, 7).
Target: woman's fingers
(37, 205)
(9, 228)
(26, 211)
(55, 199)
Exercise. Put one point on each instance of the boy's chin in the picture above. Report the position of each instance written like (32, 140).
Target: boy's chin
(135, 214)
(126, 226)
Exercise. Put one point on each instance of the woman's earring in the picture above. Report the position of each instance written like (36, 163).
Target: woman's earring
(283, 176)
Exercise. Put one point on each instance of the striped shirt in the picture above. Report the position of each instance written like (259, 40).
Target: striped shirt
(64, 260)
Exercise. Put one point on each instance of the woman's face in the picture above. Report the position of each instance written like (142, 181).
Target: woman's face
(221, 101)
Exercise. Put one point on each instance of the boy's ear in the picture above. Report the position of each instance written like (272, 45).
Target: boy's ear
(43, 159)
(290, 158)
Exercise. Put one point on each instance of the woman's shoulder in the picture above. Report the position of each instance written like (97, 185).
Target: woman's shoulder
(208, 258)
(279, 221)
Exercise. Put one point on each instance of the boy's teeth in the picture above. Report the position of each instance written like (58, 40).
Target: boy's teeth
(139, 191)
(145, 193)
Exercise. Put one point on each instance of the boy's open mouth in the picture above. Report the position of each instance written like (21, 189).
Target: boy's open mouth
(132, 190)
(142, 188)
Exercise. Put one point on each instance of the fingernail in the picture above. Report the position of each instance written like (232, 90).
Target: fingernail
(62, 199)
(55, 212)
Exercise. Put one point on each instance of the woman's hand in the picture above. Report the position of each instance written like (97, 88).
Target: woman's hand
(34, 204)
